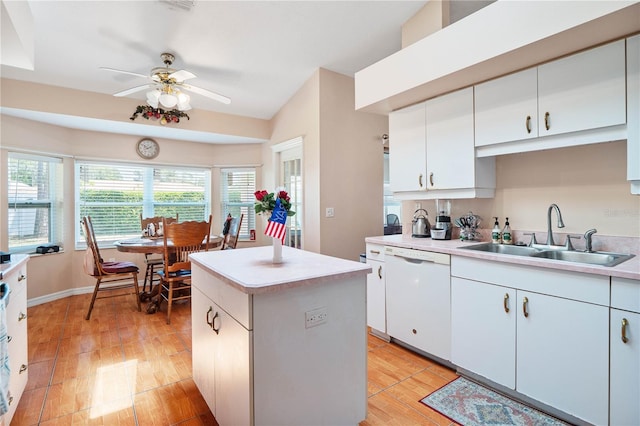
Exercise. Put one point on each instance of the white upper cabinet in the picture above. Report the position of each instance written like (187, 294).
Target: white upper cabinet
(571, 101)
(432, 152)
(583, 91)
(633, 113)
(407, 149)
(506, 109)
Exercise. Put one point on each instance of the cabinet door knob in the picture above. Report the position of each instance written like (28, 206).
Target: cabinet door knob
(623, 331)
(525, 302)
(420, 180)
(9, 339)
(431, 178)
(505, 302)
(527, 124)
(213, 327)
(22, 316)
(380, 271)
(10, 397)
(414, 331)
(547, 121)
(23, 368)
(22, 277)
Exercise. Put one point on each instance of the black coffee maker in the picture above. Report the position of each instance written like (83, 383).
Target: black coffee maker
(443, 220)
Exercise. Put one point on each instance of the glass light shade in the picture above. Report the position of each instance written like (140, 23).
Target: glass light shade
(168, 101)
(183, 102)
(152, 98)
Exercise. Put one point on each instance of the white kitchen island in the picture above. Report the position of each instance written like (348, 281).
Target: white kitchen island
(280, 344)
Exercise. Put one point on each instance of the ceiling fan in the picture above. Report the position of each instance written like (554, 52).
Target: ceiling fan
(166, 86)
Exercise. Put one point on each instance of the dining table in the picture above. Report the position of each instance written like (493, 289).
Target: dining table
(153, 245)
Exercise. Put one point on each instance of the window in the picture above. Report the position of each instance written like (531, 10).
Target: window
(392, 209)
(115, 195)
(237, 187)
(35, 206)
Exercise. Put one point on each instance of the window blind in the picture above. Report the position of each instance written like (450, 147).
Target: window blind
(237, 188)
(115, 195)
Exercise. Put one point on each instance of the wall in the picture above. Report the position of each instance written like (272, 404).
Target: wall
(587, 182)
(63, 272)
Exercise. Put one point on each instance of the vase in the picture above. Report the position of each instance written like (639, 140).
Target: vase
(277, 250)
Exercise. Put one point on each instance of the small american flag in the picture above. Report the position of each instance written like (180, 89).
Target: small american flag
(276, 227)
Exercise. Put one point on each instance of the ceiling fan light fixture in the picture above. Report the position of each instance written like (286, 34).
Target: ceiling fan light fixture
(168, 100)
(152, 98)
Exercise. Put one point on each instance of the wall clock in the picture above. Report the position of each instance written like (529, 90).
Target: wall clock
(148, 148)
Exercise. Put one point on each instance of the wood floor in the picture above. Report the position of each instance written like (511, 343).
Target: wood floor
(128, 368)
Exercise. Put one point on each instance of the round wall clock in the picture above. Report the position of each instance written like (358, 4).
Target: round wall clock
(148, 148)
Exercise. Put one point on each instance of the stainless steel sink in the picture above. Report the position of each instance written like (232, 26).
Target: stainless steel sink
(503, 249)
(591, 258)
(554, 253)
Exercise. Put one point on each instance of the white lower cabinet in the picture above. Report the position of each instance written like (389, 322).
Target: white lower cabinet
(483, 330)
(419, 300)
(221, 361)
(625, 352)
(543, 333)
(376, 289)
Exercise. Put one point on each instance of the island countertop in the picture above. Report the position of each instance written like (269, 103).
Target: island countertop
(252, 271)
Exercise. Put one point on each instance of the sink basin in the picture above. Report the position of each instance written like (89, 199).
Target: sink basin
(595, 258)
(504, 249)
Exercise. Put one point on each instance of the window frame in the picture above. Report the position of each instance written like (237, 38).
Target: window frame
(248, 223)
(52, 203)
(148, 204)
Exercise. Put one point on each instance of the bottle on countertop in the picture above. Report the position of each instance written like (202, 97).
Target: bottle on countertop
(506, 233)
(495, 232)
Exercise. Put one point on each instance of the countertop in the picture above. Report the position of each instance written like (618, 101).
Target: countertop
(252, 271)
(16, 261)
(629, 269)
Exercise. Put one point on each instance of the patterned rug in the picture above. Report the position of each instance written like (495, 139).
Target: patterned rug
(470, 404)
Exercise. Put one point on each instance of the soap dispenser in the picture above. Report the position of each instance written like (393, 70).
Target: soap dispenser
(506, 233)
(495, 232)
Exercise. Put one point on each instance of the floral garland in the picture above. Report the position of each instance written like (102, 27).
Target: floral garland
(165, 116)
(266, 202)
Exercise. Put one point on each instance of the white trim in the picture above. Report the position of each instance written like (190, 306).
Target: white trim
(291, 143)
(65, 293)
(236, 166)
(35, 152)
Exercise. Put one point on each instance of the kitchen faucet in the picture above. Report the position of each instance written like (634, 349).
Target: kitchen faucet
(550, 241)
(587, 236)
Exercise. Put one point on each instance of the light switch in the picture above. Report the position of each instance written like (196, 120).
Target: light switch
(330, 212)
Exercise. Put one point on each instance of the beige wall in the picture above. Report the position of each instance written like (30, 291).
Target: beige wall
(587, 182)
(63, 272)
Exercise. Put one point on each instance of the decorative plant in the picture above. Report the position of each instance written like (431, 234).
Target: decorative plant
(165, 116)
(266, 202)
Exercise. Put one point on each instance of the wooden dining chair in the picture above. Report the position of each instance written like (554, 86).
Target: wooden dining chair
(153, 263)
(230, 239)
(180, 240)
(107, 272)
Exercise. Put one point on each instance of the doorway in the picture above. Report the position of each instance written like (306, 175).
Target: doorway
(289, 175)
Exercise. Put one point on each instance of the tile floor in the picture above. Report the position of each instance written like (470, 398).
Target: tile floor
(123, 367)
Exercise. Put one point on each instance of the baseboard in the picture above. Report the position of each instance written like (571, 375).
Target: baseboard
(59, 295)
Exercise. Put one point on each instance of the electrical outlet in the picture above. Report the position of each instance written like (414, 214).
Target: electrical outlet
(315, 317)
(330, 212)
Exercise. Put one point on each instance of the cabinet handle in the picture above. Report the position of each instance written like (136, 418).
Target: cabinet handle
(547, 123)
(23, 368)
(22, 316)
(623, 331)
(10, 397)
(380, 271)
(22, 277)
(209, 323)
(9, 339)
(374, 251)
(525, 302)
(528, 124)
(217, 330)
(420, 180)
(505, 302)
(431, 178)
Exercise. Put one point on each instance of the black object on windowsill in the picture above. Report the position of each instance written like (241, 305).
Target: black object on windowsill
(5, 257)
(47, 249)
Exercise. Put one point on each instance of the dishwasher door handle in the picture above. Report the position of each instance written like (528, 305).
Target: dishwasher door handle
(414, 260)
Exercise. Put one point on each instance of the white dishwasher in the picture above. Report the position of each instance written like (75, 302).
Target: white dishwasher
(419, 299)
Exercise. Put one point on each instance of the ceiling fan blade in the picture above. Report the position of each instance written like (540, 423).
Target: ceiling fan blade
(207, 93)
(134, 90)
(124, 72)
(182, 75)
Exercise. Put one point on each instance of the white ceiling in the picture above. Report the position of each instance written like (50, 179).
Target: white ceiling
(258, 53)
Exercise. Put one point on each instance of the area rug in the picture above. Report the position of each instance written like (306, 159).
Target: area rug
(470, 404)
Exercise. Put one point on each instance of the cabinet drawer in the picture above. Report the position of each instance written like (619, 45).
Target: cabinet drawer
(230, 299)
(375, 252)
(625, 294)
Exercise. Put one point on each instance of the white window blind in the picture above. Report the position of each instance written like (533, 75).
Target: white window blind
(115, 195)
(237, 188)
(34, 201)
